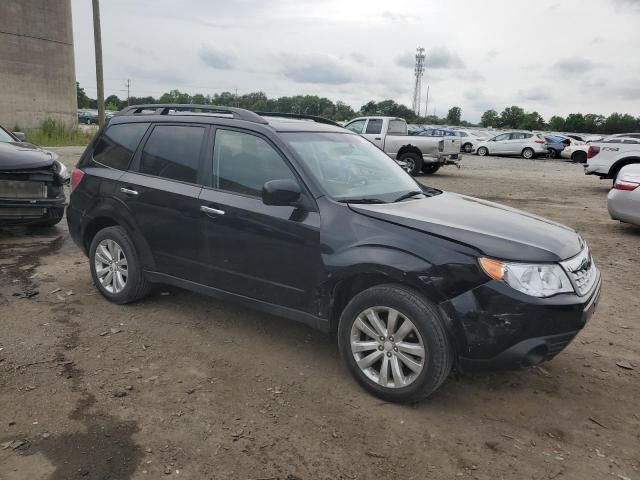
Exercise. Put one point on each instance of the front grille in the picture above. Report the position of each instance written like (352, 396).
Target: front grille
(582, 270)
(15, 189)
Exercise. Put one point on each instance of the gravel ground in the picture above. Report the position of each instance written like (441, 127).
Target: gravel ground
(182, 385)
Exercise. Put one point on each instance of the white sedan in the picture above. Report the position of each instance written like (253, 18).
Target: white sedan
(624, 198)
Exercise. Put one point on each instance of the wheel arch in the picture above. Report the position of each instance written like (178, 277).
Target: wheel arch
(106, 216)
(623, 162)
(409, 149)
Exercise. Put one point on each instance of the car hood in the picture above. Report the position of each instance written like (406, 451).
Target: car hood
(24, 156)
(495, 230)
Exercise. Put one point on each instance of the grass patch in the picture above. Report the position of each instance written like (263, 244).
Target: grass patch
(56, 134)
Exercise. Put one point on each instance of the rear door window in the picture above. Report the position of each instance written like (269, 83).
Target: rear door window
(374, 126)
(118, 143)
(173, 152)
(397, 127)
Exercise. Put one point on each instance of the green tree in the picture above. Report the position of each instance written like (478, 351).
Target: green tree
(620, 123)
(512, 117)
(532, 121)
(490, 118)
(574, 123)
(112, 103)
(175, 96)
(83, 100)
(454, 116)
(556, 123)
(593, 123)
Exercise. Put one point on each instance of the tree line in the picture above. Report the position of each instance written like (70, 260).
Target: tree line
(511, 117)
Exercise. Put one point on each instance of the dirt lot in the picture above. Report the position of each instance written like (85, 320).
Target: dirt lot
(185, 386)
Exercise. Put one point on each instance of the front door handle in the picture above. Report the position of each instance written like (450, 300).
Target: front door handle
(211, 211)
(128, 191)
(378, 138)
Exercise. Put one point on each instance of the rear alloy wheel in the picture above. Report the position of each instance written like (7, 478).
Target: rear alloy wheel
(528, 153)
(467, 148)
(394, 342)
(411, 163)
(430, 168)
(483, 152)
(116, 267)
(552, 153)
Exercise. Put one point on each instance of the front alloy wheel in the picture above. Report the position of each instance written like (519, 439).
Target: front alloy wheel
(387, 347)
(111, 266)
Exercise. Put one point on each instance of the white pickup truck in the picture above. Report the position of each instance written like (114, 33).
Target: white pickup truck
(605, 159)
(414, 153)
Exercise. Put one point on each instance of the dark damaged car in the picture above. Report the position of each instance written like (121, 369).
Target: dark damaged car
(32, 184)
(304, 219)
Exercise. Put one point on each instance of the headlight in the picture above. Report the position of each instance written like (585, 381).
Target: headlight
(63, 173)
(535, 279)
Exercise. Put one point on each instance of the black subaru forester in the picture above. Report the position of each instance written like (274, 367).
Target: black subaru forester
(301, 218)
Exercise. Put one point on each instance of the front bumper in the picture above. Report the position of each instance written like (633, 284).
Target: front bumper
(499, 327)
(24, 210)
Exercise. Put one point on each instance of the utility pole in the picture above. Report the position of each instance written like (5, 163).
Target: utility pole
(97, 38)
(128, 91)
(426, 107)
(418, 72)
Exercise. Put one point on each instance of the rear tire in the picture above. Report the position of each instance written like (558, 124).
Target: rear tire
(417, 354)
(413, 163)
(119, 258)
(483, 151)
(528, 153)
(552, 153)
(430, 168)
(579, 156)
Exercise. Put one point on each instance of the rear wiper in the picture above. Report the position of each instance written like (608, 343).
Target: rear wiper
(413, 193)
(361, 200)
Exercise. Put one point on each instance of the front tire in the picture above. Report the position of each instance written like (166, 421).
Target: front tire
(430, 168)
(483, 151)
(54, 215)
(467, 148)
(528, 153)
(412, 163)
(552, 153)
(116, 267)
(395, 344)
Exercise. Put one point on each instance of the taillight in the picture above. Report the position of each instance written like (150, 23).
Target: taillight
(539, 140)
(76, 178)
(626, 185)
(592, 151)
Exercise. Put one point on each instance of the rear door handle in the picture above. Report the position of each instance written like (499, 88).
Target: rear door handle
(378, 138)
(128, 191)
(211, 211)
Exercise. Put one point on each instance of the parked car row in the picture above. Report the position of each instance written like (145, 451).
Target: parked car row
(414, 153)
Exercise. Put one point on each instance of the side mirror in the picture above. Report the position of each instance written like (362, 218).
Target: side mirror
(280, 192)
(19, 136)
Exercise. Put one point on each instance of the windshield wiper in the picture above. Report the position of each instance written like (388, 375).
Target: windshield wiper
(361, 200)
(410, 194)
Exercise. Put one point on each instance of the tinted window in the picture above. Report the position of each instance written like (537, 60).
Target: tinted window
(397, 127)
(374, 126)
(356, 126)
(173, 152)
(504, 136)
(519, 136)
(118, 143)
(243, 163)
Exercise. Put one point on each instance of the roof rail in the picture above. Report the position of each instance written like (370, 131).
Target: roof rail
(167, 108)
(299, 116)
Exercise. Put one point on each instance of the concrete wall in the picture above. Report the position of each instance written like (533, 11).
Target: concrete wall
(37, 73)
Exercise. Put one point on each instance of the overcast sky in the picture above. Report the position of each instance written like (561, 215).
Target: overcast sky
(555, 57)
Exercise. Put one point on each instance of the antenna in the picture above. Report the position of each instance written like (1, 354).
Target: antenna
(419, 72)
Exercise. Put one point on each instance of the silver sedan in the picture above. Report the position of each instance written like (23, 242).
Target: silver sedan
(624, 198)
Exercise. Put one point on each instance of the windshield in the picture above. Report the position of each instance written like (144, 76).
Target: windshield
(5, 137)
(350, 167)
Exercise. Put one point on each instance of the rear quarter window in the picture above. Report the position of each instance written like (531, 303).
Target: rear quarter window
(118, 143)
